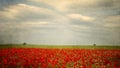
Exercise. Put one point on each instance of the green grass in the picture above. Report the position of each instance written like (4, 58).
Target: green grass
(60, 46)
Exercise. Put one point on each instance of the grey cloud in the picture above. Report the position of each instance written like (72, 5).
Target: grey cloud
(95, 4)
(100, 36)
(7, 38)
(97, 31)
(40, 4)
(102, 8)
(79, 22)
(12, 35)
(29, 15)
(60, 28)
(7, 3)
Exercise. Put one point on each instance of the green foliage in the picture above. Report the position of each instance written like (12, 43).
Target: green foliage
(24, 43)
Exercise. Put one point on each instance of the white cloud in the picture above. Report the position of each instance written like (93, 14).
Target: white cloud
(28, 24)
(9, 13)
(34, 8)
(14, 11)
(80, 27)
(81, 17)
(34, 24)
(59, 5)
(63, 5)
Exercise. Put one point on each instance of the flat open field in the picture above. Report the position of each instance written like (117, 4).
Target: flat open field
(60, 46)
(47, 56)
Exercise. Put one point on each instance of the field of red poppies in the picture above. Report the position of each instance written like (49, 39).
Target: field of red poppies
(59, 58)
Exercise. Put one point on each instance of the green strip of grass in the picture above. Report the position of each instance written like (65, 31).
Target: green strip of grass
(60, 46)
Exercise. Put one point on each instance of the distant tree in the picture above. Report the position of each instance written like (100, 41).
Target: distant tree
(24, 43)
(94, 44)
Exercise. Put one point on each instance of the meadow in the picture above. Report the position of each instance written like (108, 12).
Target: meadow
(60, 56)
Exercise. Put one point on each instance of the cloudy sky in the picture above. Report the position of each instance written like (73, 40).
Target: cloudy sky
(60, 21)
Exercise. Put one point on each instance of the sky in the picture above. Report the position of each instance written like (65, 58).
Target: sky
(60, 22)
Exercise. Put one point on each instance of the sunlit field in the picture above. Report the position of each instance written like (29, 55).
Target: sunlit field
(44, 56)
